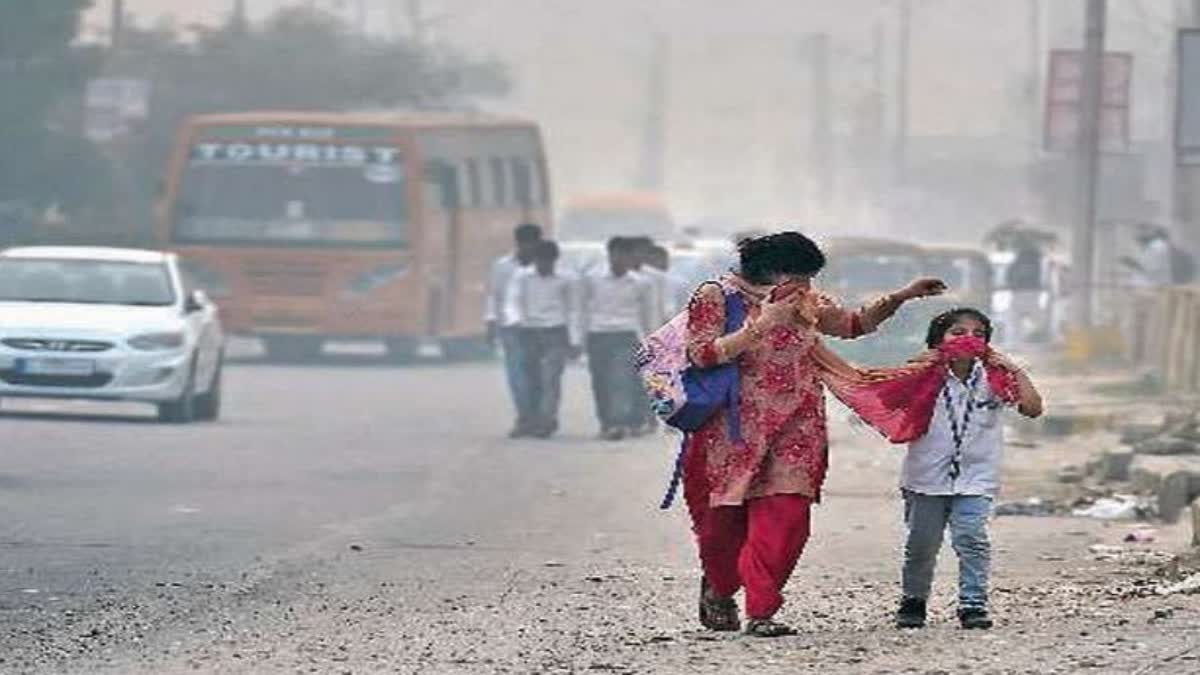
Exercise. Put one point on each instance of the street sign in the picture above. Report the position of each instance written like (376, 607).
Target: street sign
(1064, 91)
(115, 107)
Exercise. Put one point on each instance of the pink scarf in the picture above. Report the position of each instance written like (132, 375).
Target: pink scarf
(899, 402)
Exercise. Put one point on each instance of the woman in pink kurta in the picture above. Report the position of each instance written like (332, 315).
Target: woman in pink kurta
(750, 499)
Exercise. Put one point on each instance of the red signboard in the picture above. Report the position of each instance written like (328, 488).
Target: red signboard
(1064, 93)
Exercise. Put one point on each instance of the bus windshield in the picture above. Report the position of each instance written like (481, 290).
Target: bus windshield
(292, 195)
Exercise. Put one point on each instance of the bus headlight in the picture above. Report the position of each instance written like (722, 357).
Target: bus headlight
(374, 278)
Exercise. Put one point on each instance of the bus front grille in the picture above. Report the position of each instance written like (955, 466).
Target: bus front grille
(285, 279)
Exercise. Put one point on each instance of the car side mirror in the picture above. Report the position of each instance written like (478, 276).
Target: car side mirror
(197, 301)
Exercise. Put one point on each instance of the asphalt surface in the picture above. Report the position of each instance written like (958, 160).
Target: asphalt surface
(355, 517)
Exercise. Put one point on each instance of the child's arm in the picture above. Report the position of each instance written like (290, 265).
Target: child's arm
(1029, 399)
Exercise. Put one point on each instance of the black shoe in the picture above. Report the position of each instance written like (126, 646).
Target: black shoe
(545, 431)
(768, 628)
(911, 613)
(520, 431)
(975, 618)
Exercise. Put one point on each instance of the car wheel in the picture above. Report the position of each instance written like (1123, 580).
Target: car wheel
(208, 404)
(183, 409)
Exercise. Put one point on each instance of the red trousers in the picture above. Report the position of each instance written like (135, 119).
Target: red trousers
(754, 546)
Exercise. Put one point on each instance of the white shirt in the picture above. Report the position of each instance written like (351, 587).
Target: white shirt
(660, 284)
(928, 462)
(536, 301)
(613, 304)
(501, 274)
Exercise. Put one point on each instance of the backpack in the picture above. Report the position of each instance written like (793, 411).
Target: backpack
(683, 396)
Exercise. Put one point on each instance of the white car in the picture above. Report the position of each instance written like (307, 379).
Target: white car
(108, 324)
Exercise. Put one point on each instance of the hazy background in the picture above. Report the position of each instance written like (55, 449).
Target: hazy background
(737, 97)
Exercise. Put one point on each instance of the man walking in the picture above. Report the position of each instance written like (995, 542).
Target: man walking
(543, 307)
(618, 308)
(526, 237)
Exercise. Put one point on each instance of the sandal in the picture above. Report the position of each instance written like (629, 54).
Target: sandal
(768, 628)
(718, 614)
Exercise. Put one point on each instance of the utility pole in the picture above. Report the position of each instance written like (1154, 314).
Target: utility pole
(238, 19)
(1036, 113)
(118, 24)
(1083, 245)
(903, 76)
(822, 117)
(654, 130)
(416, 21)
(360, 17)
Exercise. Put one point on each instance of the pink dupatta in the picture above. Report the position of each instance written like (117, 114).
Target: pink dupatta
(899, 402)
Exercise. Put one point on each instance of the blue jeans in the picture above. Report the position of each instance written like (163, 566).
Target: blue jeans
(515, 374)
(927, 517)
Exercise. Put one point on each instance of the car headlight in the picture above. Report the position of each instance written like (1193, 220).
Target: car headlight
(375, 278)
(157, 341)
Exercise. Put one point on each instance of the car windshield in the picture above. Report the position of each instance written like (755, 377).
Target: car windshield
(954, 271)
(94, 282)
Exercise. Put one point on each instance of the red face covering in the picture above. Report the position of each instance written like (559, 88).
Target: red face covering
(899, 402)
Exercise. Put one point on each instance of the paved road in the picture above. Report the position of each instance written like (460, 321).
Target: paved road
(356, 518)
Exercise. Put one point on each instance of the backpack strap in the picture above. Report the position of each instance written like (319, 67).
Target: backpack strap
(735, 316)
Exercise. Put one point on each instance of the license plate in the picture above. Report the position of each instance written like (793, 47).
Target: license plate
(67, 367)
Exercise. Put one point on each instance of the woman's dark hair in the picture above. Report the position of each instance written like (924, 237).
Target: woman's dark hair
(764, 258)
(942, 323)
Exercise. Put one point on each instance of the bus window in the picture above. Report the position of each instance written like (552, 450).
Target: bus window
(441, 185)
(541, 185)
(499, 182)
(474, 183)
(522, 182)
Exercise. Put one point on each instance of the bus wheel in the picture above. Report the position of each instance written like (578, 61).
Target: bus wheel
(401, 349)
(293, 348)
(466, 349)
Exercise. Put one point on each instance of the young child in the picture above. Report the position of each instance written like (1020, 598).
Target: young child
(951, 474)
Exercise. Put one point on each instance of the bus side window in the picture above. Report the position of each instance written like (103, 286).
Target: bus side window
(522, 182)
(499, 182)
(474, 184)
(441, 185)
(542, 197)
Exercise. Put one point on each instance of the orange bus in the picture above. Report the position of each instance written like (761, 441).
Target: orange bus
(307, 227)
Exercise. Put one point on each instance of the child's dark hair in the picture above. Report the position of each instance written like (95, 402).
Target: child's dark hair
(942, 323)
(762, 258)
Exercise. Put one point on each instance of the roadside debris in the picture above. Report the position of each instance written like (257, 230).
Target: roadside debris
(1034, 506)
(1117, 507)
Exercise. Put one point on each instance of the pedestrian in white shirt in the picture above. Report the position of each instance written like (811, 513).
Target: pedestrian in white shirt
(543, 306)
(526, 239)
(674, 292)
(951, 475)
(618, 309)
